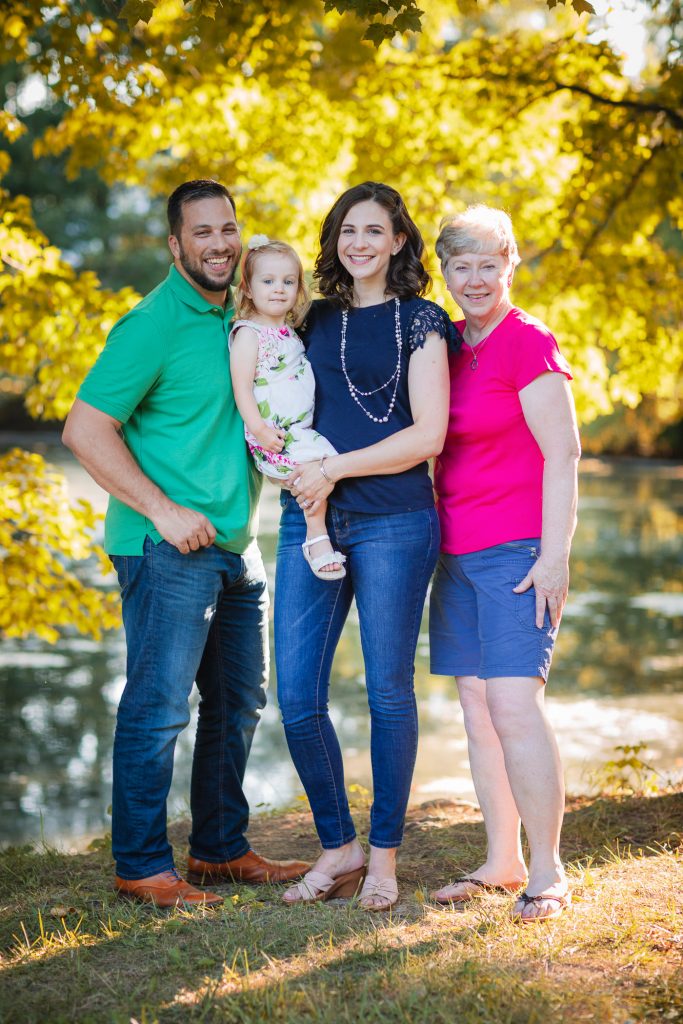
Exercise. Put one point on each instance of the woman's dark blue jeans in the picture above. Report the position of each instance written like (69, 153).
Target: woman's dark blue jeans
(200, 616)
(390, 559)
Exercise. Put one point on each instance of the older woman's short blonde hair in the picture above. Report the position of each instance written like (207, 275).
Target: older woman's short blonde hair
(480, 229)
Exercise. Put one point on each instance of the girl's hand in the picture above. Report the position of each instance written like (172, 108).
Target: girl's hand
(271, 439)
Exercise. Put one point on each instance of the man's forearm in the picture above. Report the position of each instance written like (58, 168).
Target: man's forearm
(96, 441)
(104, 454)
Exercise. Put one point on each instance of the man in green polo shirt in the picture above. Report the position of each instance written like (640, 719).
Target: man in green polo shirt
(155, 424)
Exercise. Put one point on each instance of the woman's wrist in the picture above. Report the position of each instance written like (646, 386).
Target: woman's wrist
(556, 558)
(556, 549)
(334, 468)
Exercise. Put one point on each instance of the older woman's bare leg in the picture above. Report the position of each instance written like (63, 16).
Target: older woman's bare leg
(504, 864)
(534, 772)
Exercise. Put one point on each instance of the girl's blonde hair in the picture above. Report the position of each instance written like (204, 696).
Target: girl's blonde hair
(244, 306)
(480, 229)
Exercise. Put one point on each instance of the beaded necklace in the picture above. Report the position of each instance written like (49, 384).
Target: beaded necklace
(356, 393)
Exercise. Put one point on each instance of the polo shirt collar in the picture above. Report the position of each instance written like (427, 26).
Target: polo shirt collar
(188, 294)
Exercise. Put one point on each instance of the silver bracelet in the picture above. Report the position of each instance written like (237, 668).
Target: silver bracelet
(324, 471)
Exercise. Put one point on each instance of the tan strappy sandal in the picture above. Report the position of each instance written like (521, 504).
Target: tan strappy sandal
(385, 889)
(317, 887)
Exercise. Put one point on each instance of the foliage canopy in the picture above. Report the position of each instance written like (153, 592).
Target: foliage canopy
(290, 102)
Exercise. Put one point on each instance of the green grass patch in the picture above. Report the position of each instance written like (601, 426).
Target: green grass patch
(70, 951)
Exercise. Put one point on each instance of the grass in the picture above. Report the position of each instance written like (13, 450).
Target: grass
(69, 951)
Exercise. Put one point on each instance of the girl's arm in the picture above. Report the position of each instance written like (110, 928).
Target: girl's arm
(243, 357)
(429, 391)
(548, 409)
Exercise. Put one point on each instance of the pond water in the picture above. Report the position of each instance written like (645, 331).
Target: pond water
(616, 676)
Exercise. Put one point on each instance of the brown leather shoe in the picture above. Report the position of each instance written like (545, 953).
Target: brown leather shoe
(249, 868)
(167, 889)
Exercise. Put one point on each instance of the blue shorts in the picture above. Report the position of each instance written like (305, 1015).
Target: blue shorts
(478, 626)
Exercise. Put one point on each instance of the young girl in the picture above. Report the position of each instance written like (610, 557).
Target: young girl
(274, 385)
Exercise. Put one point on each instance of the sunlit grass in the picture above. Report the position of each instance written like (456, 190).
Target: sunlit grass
(72, 952)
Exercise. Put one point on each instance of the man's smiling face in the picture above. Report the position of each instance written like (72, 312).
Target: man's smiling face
(208, 246)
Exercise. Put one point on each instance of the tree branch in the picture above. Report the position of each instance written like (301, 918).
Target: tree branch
(595, 156)
(652, 108)
(617, 200)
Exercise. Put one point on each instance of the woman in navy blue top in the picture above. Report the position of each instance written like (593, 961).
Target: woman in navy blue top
(379, 354)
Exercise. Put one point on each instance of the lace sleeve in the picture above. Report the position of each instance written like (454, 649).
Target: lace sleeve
(429, 319)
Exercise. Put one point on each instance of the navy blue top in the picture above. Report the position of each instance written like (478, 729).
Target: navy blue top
(371, 356)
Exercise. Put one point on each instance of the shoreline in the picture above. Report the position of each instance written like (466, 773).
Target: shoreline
(589, 463)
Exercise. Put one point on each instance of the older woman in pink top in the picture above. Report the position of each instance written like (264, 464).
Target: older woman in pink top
(506, 483)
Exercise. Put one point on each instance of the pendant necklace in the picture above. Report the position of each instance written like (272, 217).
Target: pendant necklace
(356, 393)
(474, 362)
(475, 349)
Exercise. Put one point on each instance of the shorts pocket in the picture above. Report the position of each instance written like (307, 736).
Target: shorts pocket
(525, 608)
(511, 553)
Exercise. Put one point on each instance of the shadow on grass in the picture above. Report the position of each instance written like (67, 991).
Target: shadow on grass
(255, 960)
(246, 976)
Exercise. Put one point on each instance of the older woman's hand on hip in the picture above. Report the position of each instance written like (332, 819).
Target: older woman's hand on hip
(309, 486)
(551, 583)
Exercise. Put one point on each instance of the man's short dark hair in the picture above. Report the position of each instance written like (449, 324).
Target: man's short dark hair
(190, 192)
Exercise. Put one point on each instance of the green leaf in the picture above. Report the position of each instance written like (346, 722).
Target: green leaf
(378, 32)
(206, 8)
(580, 6)
(137, 10)
(409, 21)
(264, 409)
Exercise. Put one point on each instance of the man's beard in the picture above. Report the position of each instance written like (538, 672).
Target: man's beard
(195, 271)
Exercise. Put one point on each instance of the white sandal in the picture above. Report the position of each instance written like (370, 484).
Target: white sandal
(317, 562)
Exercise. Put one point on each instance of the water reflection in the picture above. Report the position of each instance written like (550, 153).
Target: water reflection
(616, 677)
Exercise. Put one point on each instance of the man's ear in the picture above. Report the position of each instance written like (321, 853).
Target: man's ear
(174, 246)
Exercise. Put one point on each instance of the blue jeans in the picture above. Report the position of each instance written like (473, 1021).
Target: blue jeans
(390, 559)
(200, 616)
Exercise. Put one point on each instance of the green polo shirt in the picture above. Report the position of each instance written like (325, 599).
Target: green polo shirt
(164, 373)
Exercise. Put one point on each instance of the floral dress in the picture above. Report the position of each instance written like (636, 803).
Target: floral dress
(284, 389)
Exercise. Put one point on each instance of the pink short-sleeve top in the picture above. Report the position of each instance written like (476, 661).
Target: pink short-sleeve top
(489, 476)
